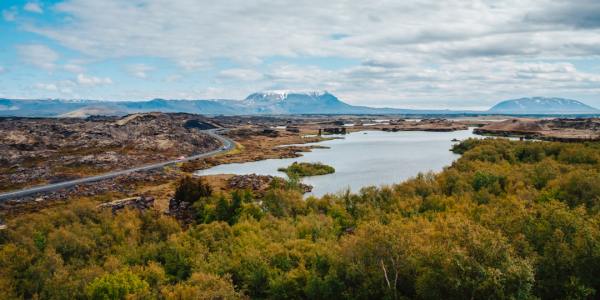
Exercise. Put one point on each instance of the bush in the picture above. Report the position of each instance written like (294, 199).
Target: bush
(191, 189)
(578, 155)
(580, 188)
(530, 152)
(202, 287)
(493, 183)
(116, 286)
(465, 145)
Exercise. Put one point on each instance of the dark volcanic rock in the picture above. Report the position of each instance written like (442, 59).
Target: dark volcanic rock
(38, 150)
(181, 210)
(141, 203)
(568, 130)
(259, 183)
(189, 124)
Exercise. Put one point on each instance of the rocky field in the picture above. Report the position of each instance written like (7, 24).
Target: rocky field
(582, 129)
(45, 150)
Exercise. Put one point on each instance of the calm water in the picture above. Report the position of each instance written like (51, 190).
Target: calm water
(364, 159)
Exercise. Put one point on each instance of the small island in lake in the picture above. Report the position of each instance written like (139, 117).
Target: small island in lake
(304, 169)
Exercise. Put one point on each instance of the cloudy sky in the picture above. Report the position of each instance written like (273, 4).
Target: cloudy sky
(413, 54)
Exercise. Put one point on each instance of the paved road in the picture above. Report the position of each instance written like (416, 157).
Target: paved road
(227, 145)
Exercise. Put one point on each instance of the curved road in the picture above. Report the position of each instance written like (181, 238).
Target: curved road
(227, 145)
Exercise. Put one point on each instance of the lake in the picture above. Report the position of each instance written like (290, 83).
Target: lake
(363, 158)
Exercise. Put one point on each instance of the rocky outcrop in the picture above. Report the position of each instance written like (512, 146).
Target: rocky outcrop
(259, 183)
(123, 184)
(395, 125)
(293, 129)
(332, 130)
(140, 203)
(181, 210)
(251, 132)
(270, 132)
(437, 125)
(568, 130)
(517, 126)
(250, 182)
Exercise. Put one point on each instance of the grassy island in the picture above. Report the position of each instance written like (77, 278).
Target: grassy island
(304, 169)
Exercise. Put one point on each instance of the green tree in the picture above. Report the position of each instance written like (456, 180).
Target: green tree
(580, 187)
(116, 286)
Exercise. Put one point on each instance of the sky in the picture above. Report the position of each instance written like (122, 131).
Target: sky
(407, 54)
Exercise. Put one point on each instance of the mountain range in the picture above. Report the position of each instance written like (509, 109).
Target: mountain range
(269, 103)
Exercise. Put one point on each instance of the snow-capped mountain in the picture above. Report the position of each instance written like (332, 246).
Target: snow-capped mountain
(282, 95)
(542, 105)
(299, 102)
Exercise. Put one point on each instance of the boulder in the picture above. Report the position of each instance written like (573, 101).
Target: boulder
(181, 211)
(141, 203)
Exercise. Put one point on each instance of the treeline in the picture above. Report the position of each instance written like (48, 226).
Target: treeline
(508, 220)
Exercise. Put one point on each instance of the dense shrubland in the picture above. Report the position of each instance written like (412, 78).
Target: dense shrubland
(517, 220)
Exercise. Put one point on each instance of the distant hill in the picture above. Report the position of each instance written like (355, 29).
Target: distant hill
(268, 103)
(283, 102)
(293, 102)
(542, 105)
(271, 102)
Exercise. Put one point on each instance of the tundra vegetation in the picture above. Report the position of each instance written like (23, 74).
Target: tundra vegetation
(508, 220)
(303, 169)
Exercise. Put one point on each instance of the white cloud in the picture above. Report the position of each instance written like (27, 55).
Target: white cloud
(92, 80)
(73, 68)
(173, 78)
(60, 88)
(51, 87)
(241, 74)
(578, 13)
(2, 69)
(473, 84)
(139, 70)
(192, 64)
(38, 55)
(33, 7)
(9, 15)
(193, 33)
(401, 53)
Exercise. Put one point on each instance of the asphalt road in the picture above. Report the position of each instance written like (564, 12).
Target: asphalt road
(227, 145)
